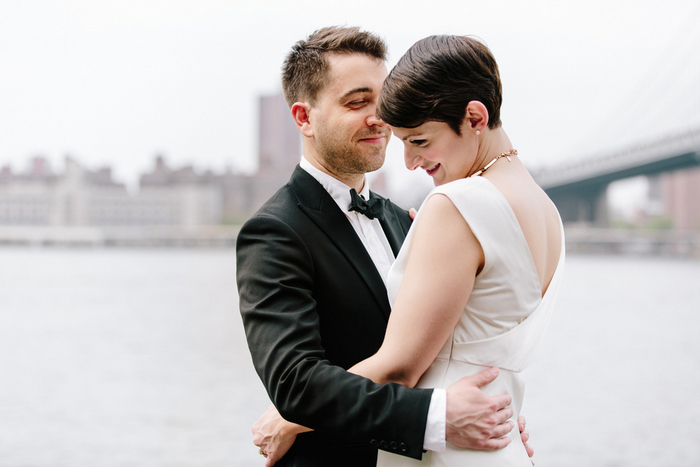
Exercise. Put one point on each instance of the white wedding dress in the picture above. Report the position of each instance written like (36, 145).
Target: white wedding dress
(502, 324)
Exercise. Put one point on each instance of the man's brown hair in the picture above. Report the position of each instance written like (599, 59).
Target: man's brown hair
(305, 70)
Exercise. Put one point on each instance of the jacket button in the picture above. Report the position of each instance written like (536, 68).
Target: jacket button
(403, 447)
(374, 443)
(393, 445)
(383, 444)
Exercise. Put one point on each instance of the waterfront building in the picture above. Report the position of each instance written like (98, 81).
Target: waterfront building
(27, 198)
(165, 197)
(39, 196)
(176, 197)
(681, 198)
(83, 197)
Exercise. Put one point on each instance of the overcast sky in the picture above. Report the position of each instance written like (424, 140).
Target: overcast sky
(115, 82)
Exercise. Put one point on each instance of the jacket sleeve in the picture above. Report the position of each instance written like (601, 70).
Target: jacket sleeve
(275, 276)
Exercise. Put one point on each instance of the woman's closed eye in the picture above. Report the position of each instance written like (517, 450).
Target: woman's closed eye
(417, 142)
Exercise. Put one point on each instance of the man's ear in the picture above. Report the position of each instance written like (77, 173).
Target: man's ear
(301, 115)
(476, 117)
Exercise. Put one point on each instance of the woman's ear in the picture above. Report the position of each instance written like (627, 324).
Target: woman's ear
(301, 115)
(476, 117)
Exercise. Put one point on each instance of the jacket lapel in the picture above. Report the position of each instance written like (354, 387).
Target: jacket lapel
(320, 207)
(391, 226)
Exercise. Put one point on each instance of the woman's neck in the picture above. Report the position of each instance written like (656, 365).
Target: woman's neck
(493, 143)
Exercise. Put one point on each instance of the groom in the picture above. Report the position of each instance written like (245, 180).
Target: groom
(311, 277)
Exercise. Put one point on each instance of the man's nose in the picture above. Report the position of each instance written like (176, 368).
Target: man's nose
(373, 120)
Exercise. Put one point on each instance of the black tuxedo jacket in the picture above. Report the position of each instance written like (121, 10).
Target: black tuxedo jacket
(313, 305)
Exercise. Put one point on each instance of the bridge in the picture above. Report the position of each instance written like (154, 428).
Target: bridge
(579, 190)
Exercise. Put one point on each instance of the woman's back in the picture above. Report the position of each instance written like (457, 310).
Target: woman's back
(536, 214)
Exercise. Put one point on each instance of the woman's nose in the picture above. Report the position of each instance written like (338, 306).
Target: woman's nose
(413, 161)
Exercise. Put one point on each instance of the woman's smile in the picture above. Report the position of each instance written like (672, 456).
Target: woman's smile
(431, 170)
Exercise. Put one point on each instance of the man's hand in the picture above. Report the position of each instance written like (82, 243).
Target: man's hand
(525, 436)
(475, 420)
(274, 435)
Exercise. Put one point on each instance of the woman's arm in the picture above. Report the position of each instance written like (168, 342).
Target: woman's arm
(444, 259)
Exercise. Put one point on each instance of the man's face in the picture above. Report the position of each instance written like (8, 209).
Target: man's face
(348, 138)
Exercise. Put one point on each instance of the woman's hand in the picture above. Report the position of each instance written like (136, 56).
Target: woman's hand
(274, 435)
(525, 436)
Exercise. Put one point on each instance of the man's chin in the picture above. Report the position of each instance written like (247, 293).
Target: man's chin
(375, 163)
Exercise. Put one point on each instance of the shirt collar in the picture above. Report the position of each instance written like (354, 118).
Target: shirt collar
(339, 191)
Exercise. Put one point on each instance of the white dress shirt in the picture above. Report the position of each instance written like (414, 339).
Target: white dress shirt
(374, 239)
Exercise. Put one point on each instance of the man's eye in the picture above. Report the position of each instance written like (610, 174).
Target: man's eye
(358, 103)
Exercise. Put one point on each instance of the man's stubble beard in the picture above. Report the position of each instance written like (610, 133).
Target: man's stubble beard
(344, 158)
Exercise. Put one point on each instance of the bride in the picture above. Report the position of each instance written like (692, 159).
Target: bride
(476, 279)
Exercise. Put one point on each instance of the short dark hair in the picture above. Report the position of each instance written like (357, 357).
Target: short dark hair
(436, 79)
(305, 70)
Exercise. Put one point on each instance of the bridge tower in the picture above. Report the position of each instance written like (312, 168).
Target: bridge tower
(586, 204)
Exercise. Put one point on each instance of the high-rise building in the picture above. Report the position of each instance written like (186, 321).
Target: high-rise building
(279, 150)
(278, 137)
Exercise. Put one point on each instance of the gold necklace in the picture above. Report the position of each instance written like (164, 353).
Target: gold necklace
(512, 152)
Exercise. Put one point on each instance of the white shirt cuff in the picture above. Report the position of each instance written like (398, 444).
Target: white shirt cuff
(437, 418)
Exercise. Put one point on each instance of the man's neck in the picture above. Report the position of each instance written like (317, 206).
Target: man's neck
(356, 181)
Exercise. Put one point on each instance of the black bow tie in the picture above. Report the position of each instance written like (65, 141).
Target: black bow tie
(372, 208)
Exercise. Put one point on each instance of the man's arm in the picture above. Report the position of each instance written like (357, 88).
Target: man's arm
(275, 274)
(274, 435)
(474, 422)
(276, 282)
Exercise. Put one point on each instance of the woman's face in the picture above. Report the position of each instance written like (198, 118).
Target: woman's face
(437, 149)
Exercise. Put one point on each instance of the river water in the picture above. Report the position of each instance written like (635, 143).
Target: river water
(137, 358)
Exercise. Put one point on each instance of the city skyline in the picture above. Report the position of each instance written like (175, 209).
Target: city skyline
(183, 196)
(117, 83)
(668, 200)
